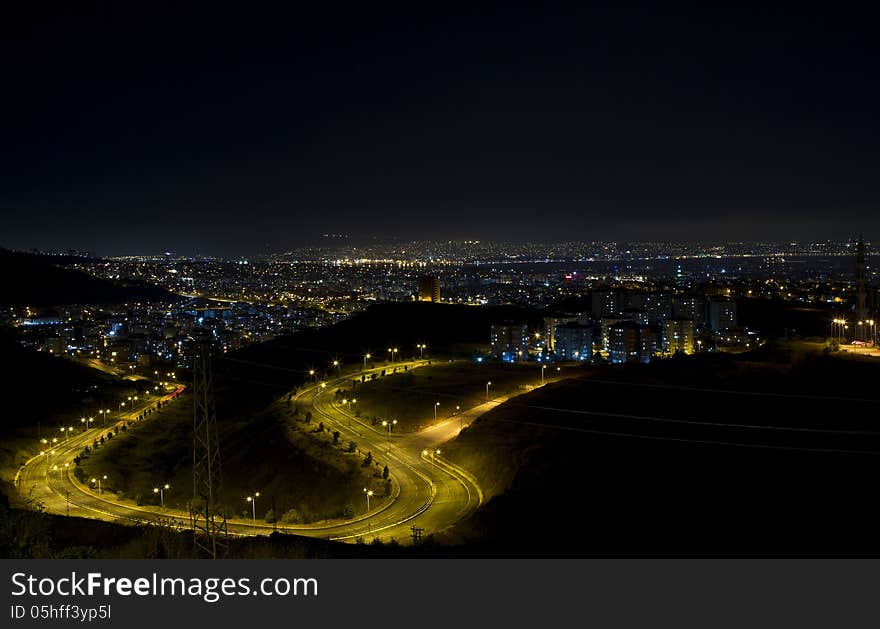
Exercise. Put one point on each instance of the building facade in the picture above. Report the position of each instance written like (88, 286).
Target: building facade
(509, 342)
(574, 341)
(429, 288)
(678, 336)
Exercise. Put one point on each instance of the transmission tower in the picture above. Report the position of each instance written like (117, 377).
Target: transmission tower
(861, 293)
(207, 517)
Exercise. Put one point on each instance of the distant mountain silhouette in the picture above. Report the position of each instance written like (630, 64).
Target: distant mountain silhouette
(36, 280)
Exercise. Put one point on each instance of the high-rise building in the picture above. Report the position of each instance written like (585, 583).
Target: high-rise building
(722, 314)
(574, 341)
(690, 307)
(429, 288)
(657, 306)
(551, 323)
(629, 342)
(679, 336)
(509, 341)
(607, 302)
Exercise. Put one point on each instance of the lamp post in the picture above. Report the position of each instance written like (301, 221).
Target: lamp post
(97, 480)
(368, 493)
(336, 364)
(543, 367)
(436, 404)
(422, 348)
(367, 356)
(253, 501)
(161, 491)
(488, 384)
(389, 425)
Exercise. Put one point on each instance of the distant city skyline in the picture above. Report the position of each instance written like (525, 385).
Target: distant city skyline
(149, 246)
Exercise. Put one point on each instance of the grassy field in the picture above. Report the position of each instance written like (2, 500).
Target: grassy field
(410, 396)
(294, 467)
(769, 453)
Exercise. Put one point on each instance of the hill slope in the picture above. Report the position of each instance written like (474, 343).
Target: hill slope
(37, 281)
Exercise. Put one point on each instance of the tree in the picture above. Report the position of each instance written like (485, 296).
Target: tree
(335, 437)
(348, 512)
(291, 516)
(352, 446)
(368, 460)
(385, 472)
(308, 417)
(387, 486)
(270, 516)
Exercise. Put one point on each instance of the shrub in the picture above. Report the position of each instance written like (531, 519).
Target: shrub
(291, 516)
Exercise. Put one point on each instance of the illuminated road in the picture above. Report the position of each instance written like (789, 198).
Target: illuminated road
(430, 493)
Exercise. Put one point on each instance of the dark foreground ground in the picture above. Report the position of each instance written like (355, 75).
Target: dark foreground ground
(770, 453)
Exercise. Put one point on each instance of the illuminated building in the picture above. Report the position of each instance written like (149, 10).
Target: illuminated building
(679, 336)
(629, 342)
(607, 302)
(551, 323)
(509, 341)
(429, 288)
(689, 307)
(658, 306)
(574, 341)
(722, 314)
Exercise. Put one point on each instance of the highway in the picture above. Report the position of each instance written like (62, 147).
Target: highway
(429, 492)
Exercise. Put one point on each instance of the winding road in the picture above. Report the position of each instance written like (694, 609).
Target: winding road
(430, 493)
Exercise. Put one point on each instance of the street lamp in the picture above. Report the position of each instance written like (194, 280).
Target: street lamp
(369, 494)
(161, 491)
(336, 364)
(543, 367)
(98, 481)
(436, 404)
(488, 384)
(390, 426)
(366, 358)
(253, 501)
(422, 348)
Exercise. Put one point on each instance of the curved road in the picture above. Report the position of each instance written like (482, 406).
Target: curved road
(430, 493)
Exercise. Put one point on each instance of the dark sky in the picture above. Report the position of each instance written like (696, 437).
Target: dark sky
(227, 131)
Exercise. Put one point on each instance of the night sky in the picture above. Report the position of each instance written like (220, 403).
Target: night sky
(222, 131)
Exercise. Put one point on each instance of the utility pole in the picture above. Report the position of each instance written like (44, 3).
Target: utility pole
(861, 292)
(416, 535)
(207, 517)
